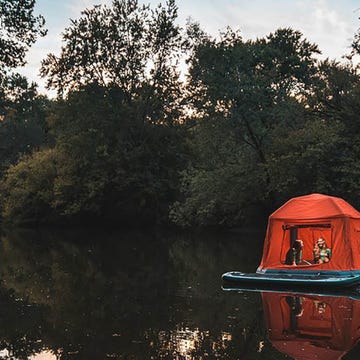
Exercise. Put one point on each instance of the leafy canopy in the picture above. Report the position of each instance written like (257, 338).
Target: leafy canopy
(124, 45)
(19, 29)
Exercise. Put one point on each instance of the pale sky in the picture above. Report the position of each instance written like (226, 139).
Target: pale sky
(331, 24)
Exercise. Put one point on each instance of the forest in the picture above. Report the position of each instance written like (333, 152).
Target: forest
(133, 138)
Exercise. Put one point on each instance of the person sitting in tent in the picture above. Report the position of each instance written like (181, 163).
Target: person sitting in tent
(322, 253)
(297, 250)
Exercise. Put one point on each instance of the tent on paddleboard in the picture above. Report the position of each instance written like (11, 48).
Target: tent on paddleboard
(308, 219)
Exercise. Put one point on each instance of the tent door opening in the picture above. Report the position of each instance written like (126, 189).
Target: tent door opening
(300, 243)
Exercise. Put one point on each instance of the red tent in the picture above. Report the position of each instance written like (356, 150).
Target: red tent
(308, 218)
(310, 327)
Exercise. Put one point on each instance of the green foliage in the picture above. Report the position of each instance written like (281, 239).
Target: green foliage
(257, 122)
(118, 166)
(272, 123)
(118, 140)
(128, 46)
(249, 93)
(208, 203)
(22, 111)
(23, 128)
(307, 159)
(225, 176)
(19, 29)
(27, 190)
(107, 162)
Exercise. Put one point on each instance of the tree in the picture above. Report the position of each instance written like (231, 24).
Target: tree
(26, 191)
(23, 129)
(112, 164)
(248, 81)
(342, 110)
(127, 46)
(248, 92)
(22, 112)
(119, 141)
(19, 29)
(122, 58)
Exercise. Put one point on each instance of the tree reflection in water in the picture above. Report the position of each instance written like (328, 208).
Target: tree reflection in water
(115, 294)
(185, 342)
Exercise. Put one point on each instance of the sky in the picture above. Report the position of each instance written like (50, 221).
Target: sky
(331, 24)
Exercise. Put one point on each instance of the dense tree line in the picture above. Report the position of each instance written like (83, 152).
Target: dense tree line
(254, 123)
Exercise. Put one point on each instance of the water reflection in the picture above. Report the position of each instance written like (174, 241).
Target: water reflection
(44, 355)
(114, 294)
(120, 295)
(312, 327)
(183, 343)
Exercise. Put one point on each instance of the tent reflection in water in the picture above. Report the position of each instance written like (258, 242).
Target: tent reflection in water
(310, 327)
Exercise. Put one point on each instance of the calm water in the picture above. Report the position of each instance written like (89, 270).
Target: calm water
(105, 294)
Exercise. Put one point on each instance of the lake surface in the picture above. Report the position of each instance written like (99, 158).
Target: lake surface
(112, 294)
